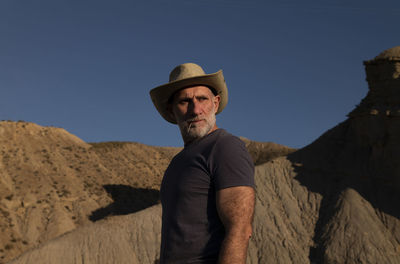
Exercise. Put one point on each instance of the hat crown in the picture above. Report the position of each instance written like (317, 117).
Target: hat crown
(186, 70)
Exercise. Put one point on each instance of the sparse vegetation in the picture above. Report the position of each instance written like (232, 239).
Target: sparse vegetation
(8, 247)
(4, 213)
(109, 145)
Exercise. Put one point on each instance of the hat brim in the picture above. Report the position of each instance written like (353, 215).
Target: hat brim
(161, 94)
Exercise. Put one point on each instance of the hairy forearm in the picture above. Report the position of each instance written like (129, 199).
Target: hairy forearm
(236, 208)
(234, 247)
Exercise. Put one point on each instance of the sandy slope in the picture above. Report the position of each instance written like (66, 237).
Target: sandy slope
(52, 182)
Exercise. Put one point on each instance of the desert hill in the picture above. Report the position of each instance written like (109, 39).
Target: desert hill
(52, 182)
(334, 201)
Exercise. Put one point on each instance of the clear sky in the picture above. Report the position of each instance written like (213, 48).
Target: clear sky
(294, 69)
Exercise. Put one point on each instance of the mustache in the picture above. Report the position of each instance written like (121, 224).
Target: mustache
(189, 120)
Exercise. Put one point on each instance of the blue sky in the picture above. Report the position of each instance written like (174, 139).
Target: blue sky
(294, 69)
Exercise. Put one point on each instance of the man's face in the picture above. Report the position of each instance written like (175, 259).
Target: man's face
(194, 109)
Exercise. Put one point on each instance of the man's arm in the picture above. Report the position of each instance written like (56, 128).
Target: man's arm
(235, 207)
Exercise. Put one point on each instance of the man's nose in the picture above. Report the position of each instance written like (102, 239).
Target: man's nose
(196, 108)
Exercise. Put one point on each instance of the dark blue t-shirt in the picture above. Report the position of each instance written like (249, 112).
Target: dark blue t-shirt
(191, 229)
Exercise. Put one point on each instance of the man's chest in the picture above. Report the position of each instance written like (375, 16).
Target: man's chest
(186, 175)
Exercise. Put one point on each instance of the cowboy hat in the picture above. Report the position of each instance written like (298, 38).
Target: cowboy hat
(184, 76)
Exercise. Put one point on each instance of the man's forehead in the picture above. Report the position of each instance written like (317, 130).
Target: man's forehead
(194, 90)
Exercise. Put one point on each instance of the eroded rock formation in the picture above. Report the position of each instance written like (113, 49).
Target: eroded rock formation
(52, 182)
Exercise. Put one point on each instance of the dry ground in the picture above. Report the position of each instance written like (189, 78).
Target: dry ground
(52, 182)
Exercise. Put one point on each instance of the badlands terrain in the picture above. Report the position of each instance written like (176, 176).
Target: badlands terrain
(335, 201)
(51, 182)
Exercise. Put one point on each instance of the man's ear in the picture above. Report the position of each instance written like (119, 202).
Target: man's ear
(217, 99)
(171, 112)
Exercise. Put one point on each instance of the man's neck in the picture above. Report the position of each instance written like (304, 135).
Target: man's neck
(188, 142)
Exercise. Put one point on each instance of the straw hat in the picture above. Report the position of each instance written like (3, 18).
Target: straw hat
(183, 76)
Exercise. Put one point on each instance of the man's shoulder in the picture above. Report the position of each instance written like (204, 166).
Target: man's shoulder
(225, 137)
(227, 145)
(231, 163)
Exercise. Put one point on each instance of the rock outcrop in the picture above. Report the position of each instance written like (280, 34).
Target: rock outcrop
(336, 200)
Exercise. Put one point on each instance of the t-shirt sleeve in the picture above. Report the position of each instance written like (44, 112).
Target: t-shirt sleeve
(232, 164)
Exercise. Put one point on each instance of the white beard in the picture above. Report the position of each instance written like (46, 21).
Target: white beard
(191, 132)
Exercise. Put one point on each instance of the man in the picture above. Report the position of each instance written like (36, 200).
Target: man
(207, 192)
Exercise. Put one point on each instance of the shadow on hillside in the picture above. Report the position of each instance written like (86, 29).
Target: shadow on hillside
(382, 197)
(329, 168)
(127, 200)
